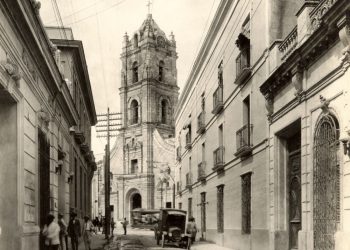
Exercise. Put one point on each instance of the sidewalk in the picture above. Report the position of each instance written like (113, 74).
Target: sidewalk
(204, 245)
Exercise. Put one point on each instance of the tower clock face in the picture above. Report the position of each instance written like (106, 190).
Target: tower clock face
(161, 42)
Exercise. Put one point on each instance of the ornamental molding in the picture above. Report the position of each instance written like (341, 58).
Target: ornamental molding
(12, 70)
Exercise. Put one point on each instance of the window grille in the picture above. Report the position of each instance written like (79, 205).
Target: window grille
(246, 203)
(326, 197)
(220, 208)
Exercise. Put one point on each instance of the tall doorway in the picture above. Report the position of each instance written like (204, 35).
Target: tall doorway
(203, 215)
(326, 178)
(136, 201)
(294, 189)
(44, 182)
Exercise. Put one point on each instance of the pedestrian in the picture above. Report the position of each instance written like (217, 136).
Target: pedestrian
(112, 225)
(51, 233)
(63, 232)
(192, 228)
(124, 223)
(74, 231)
(88, 228)
(103, 222)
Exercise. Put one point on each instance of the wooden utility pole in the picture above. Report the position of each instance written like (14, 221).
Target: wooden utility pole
(107, 127)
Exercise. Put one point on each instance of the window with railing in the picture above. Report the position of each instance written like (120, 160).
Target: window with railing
(189, 138)
(201, 171)
(243, 69)
(178, 153)
(218, 100)
(188, 180)
(219, 160)
(201, 123)
(243, 140)
(189, 210)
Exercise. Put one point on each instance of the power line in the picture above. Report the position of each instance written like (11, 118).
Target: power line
(97, 13)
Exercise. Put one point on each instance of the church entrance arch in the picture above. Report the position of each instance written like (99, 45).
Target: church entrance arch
(133, 200)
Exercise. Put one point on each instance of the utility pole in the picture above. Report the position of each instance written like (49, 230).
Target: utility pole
(107, 126)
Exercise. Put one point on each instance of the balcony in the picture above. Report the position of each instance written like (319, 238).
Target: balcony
(218, 103)
(243, 69)
(289, 44)
(243, 140)
(201, 123)
(219, 161)
(188, 140)
(189, 180)
(201, 171)
(79, 137)
(178, 153)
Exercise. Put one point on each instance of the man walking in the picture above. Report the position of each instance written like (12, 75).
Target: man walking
(63, 232)
(74, 231)
(88, 228)
(124, 223)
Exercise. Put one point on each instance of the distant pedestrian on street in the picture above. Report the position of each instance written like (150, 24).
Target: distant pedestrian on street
(63, 232)
(88, 228)
(192, 228)
(51, 232)
(74, 231)
(112, 225)
(124, 223)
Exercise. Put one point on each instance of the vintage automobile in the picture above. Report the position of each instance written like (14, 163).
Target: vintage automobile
(171, 228)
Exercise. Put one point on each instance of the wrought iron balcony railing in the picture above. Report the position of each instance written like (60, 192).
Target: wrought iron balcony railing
(188, 140)
(243, 69)
(243, 140)
(202, 171)
(218, 103)
(188, 180)
(178, 153)
(219, 160)
(201, 123)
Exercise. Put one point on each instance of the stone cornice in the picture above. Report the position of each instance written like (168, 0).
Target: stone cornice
(84, 74)
(323, 37)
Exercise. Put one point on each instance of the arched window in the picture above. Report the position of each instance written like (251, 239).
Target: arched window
(164, 109)
(135, 72)
(326, 182)
(136, 41)
(161, 71)
(134, 112)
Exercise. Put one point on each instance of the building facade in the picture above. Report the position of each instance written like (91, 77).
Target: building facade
(37, 112)
(308, 115)
(71, 61)
(144, 150)
(221, 170)
(278, 181)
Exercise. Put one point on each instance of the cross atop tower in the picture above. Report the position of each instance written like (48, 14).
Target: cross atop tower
(149, 3)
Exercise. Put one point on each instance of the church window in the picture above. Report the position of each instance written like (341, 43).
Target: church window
(135, 72)
(161, 42)
(136, 41)
(134, 112)
(164, 108)
(134, 167)
(161, 71)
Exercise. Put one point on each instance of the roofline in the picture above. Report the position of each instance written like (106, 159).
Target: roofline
(78, 45)
(218, 19)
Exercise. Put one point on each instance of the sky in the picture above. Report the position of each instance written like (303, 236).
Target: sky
(101, 25)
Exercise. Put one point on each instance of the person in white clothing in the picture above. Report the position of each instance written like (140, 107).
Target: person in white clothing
(88, 228)
(51, 232)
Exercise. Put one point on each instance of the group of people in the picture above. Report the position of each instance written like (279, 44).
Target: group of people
(56, 234)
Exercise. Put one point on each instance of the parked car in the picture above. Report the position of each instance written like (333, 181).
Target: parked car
(171, 228)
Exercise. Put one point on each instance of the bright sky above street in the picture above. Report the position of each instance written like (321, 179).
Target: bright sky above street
(101, 25)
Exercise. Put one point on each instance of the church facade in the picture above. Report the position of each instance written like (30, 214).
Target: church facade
(142, 158)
